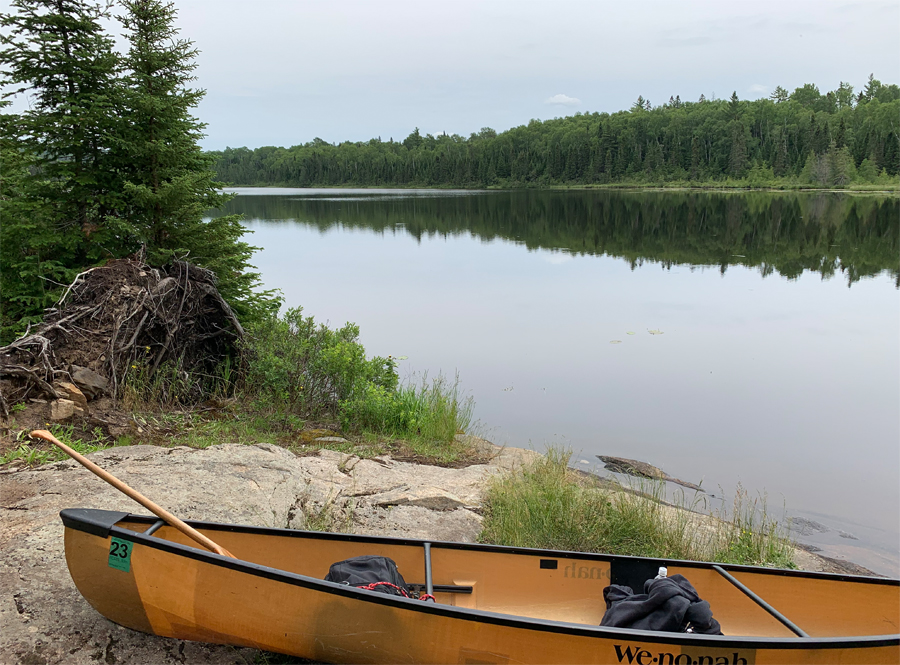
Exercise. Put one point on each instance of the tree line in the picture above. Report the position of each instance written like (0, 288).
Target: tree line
(105, 161)
(802, 138)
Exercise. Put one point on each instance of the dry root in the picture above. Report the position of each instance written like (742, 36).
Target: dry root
(115, 318)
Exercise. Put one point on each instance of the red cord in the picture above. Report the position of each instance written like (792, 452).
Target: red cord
(373, 585)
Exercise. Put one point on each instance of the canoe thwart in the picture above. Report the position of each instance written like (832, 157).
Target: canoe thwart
(429, 584)
(441, 588)
(154, 527)
(790, 625)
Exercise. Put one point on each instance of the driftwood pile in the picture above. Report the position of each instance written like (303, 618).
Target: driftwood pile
(120, 318)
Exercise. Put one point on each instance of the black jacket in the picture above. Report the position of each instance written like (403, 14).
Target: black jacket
(669, 604)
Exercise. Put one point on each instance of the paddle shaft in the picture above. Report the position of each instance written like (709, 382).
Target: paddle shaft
(160, 512)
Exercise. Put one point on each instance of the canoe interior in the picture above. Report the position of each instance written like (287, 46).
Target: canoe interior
(569, 588)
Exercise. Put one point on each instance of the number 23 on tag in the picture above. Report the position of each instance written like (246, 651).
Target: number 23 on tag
(120, 554)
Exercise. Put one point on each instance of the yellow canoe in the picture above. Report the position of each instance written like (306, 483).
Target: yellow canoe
(494, 604)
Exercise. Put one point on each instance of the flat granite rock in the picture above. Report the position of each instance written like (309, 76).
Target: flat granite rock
(43, 618)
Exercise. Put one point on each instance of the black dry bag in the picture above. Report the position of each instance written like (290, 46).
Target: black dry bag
(369, 571)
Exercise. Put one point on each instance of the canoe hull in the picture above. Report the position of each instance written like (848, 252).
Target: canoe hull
(177, 591)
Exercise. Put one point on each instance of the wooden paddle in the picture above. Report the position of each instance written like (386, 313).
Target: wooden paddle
(162, 513)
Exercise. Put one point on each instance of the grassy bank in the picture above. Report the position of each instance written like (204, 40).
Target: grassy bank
(550, 506)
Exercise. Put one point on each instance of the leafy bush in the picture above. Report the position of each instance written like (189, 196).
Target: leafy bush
(296, 365)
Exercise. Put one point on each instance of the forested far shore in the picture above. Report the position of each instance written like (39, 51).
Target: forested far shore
(834, 140)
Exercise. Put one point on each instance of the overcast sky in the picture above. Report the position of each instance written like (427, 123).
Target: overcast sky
(282, 72)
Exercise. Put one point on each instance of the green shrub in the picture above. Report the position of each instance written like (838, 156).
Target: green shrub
(293, 364)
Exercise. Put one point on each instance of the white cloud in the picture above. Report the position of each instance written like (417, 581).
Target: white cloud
(759, 89)
(565, 100)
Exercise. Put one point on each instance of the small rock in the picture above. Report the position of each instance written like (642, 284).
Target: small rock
(330, 439)
(70, 391)
(63, 409)
(310, 435)
(92, 384)
(432, 498)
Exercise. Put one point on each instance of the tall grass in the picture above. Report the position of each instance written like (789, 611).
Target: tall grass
(750, 535)
(170, 385)
(432, 410)
(426, 416)
(549, 506)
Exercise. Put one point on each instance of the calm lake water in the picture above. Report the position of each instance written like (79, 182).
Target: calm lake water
(726, 338)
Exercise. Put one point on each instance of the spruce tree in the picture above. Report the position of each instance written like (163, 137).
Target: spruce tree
(59, 191)
(29, 262)
(169, 183)
(57, 53)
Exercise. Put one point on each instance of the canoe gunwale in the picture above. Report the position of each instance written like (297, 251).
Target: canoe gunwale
(90, 520)
(97, 523)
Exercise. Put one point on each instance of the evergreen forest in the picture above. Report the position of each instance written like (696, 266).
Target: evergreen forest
(839, 139)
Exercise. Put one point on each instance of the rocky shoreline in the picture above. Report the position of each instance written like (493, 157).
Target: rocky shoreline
(43, 618)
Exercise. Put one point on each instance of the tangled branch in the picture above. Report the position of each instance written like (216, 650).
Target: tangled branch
(113, 318)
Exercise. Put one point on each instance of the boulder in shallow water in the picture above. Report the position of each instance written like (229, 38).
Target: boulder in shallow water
(632, 467)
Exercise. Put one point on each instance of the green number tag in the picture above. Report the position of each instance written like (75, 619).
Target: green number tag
(120, 554)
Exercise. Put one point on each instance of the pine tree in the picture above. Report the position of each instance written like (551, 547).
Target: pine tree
(168, 181)
(781, 156)
(58, 188)
(873, 87)
(779, 95)
(842, 170)
(57, 52)
(734, 107)
(27, 241)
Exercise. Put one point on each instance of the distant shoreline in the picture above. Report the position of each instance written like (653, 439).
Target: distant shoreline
(717, 189)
